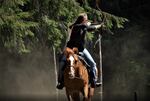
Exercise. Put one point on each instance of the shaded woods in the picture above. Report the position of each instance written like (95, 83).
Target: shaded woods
(29, 28)
(126, 55)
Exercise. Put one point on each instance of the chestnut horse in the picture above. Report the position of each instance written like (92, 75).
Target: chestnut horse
(76, 79)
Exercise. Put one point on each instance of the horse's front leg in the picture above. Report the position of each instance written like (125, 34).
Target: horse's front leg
(91, 93)
(68, 95)
(85, 93)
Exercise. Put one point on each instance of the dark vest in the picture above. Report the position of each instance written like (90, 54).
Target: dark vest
(77, 37)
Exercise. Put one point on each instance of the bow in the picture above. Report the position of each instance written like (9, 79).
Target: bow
(103, 19)
(98, 8)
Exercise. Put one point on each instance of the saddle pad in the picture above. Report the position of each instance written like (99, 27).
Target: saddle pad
(82, 59)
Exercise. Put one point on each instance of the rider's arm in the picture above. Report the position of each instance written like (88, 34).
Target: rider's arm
(94, 27)
(98, 26)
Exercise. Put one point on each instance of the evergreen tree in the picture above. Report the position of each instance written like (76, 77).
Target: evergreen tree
(15, 25)
(26, 24)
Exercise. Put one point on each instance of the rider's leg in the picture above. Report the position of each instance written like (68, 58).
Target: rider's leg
(93, 68)
(60, 84)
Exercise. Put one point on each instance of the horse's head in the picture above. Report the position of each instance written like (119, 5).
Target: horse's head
(72, 58)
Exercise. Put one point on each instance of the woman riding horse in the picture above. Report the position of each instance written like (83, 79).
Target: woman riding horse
(77, 39)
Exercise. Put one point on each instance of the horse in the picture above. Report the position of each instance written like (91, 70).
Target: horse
(76, 78)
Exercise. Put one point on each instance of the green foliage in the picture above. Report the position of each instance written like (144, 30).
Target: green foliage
(110, 20)
(15, 25)
(119, 21)
(52, 31)
(54, 23)
(27, 23)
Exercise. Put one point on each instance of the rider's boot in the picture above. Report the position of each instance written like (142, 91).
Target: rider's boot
(98, 79)
(60, 84)
(95, 83)
(95, 80)
(98, 83)
(92, 79)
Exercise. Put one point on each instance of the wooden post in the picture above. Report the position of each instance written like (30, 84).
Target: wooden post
(100, 69)
(55, 67)
(135, 96)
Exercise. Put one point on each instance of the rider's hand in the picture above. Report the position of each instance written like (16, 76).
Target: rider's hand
(88, 23)
(99, 26)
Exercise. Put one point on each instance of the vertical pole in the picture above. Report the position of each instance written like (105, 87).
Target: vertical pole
(100, 71)
(135, 96)
(55, 65)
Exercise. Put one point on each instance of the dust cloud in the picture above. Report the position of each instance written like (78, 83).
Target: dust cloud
(27, 76)
(30, 77)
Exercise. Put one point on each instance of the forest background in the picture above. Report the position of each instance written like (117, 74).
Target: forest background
(31, 29)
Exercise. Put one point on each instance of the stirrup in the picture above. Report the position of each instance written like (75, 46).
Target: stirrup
(60, 86)
(98, 84)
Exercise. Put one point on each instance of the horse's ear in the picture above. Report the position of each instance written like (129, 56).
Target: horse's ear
(75, 50)
(67, 51)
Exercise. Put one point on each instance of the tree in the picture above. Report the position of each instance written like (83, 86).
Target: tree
(25, 24)
(15, 25)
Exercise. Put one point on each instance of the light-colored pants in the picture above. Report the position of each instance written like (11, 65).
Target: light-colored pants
(88, 58)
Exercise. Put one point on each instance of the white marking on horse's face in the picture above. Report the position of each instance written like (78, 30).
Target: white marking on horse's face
(72, 71)
(71, 60)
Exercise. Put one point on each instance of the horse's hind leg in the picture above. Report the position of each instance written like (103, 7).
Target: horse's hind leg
(68, 95)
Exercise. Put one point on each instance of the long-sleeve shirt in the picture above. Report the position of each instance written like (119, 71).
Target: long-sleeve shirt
(77, 37)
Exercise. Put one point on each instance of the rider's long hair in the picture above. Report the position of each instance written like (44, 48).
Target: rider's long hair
(81, 18)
